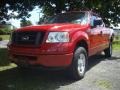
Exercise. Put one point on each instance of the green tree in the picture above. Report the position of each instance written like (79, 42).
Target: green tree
(5, 29)
(25, 22)
(108, 9)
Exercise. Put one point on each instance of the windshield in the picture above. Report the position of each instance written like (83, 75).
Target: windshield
(73, 17)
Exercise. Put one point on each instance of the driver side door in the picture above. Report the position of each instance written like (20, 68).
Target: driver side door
(95, 36)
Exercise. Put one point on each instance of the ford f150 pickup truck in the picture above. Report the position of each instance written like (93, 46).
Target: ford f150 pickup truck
(65, 40)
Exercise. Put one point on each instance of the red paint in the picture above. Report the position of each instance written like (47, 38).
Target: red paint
(61, 54)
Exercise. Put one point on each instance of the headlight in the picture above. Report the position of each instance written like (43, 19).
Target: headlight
(54, 37)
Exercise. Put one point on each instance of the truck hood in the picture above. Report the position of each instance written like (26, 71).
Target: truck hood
(54, 27)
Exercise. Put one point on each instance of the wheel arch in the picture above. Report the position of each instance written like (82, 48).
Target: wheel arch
(82, 43)
(112, 38)
(81, 39)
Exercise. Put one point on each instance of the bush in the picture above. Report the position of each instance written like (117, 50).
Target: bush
(5, 31)
(1, 39)
(1, 31)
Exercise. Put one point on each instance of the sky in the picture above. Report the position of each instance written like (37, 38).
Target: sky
(35, 14)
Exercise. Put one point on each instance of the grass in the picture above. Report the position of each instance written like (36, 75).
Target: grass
(116, 46)
(5, 37)
(104, 84)
(117, 38)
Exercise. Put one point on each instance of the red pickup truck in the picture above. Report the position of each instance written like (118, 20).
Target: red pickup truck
(64, 41)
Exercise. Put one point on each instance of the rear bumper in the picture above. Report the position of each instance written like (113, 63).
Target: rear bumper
(42, 60)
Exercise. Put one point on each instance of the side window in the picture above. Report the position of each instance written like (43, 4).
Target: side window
(102, 24)
(101, 21)
(96, 21)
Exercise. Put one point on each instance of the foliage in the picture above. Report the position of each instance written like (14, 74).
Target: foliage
(116, 45)
(5, 31)
(1, 38)
(4, 37)
(108, 9)
(25, 23)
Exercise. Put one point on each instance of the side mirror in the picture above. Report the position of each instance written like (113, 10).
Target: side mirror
(97, 22)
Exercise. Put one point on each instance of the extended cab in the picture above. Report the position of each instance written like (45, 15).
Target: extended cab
(64, 41)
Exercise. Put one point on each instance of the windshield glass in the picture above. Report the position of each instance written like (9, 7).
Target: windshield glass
(73, 17)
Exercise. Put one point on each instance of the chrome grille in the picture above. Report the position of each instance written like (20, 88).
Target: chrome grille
(27, 38)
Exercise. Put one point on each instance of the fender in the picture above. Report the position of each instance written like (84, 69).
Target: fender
(79, 36)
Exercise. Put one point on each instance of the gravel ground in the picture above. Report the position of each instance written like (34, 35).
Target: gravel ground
(103, 74)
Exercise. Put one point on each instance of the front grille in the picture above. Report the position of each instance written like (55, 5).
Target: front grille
(27, 38)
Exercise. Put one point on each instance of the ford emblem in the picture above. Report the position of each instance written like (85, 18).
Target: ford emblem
(25, 38)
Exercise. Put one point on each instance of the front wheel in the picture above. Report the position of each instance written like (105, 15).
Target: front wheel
(108, 51)
(79, 63)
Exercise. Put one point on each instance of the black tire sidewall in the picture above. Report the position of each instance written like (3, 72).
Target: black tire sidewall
(74, 66)
(108, 51)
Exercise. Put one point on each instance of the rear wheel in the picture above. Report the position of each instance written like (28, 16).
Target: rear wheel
(108, 51)
(79, 64)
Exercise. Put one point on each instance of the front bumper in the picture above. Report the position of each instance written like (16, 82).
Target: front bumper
(42, 60)
(48, 55)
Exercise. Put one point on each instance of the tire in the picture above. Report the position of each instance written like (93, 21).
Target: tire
(79, 64)
(108, 51)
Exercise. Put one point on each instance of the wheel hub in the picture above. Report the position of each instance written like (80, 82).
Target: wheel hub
(81, 63)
